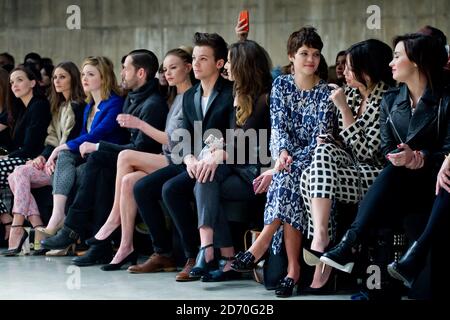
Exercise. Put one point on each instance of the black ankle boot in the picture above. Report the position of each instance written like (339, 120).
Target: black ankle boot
(341, 256)
(64, 238)
(96, 254)
(410, 265)
(201, 267)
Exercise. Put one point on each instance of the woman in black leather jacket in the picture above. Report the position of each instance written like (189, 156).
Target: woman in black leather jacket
(415, 137)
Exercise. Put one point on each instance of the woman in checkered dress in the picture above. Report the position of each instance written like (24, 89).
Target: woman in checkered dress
(343, 169)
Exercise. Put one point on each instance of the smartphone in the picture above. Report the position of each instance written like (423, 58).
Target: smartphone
(243, 15)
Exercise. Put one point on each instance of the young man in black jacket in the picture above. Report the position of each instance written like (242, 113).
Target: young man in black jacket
(208, 105)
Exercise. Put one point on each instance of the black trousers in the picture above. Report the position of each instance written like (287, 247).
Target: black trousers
(95, 194)
(177, 194)
(148, 194)
(396, 192)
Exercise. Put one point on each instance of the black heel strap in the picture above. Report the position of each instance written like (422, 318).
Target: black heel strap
(207, 246)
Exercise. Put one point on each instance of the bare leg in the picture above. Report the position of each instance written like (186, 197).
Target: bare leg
(320, 212)
(227, 252)
(36, 221)
(128, 211)
(58, 212)
(143, 163)
(292, 242)
(260, 246)
(128, 162)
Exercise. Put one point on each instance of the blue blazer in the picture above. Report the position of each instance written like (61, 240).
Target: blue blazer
(104, 125)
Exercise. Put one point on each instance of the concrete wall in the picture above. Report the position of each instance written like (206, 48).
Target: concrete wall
(114, 27)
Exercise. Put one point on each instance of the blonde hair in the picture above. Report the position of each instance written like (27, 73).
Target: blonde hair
(108, 79)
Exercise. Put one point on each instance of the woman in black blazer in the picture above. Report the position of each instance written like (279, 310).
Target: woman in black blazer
(28, 117)
(415, 137)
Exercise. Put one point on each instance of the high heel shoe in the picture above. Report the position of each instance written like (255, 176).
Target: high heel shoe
(244, 262)
(67, 251)
(37, 237)
(132, 257)
(201, 267)
(311, 257)
(285, 287)
(23, 247)
(46, 232)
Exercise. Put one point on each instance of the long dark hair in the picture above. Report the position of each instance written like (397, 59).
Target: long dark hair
(428, 53)
(250, 67)
(76, 88)
(15, 107)
(371, 57)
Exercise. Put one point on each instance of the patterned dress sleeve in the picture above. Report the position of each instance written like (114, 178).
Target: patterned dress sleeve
(326, 121)
(279, 117)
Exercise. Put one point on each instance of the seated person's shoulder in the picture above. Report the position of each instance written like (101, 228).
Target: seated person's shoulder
(391, 93)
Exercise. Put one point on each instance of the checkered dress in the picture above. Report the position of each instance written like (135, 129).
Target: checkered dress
(346, 173)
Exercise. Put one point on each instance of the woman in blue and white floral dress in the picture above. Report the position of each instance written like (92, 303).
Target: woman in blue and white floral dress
(300, 110)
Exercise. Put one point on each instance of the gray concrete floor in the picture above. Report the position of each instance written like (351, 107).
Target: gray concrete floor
(47, 278)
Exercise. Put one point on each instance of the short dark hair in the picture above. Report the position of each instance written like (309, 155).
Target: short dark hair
(33, 56)
(8, 57)
(428, 53)
(371, 57)
(146, 59)
(213, 40)
(307, 36)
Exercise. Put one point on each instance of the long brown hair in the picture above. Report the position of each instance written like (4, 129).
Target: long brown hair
(109, 81)
(76, 89)
(250, 66)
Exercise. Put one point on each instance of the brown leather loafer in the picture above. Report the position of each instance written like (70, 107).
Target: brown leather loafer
(156, 263)
(184, 274)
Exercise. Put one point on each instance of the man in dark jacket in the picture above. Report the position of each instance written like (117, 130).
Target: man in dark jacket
(96, 187)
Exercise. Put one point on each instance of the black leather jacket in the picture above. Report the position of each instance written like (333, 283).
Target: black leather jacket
(427, 130)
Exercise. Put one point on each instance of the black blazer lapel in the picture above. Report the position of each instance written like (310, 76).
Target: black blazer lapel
(198, 102)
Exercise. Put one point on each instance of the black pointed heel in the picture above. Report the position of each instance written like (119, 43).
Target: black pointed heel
(132, 257)
(24, 244)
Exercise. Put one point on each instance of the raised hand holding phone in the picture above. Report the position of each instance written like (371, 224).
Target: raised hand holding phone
(243, 25)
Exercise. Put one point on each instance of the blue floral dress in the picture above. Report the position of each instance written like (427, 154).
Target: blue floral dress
(297, 118)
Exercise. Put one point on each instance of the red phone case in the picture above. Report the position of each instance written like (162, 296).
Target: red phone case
(243, 15)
